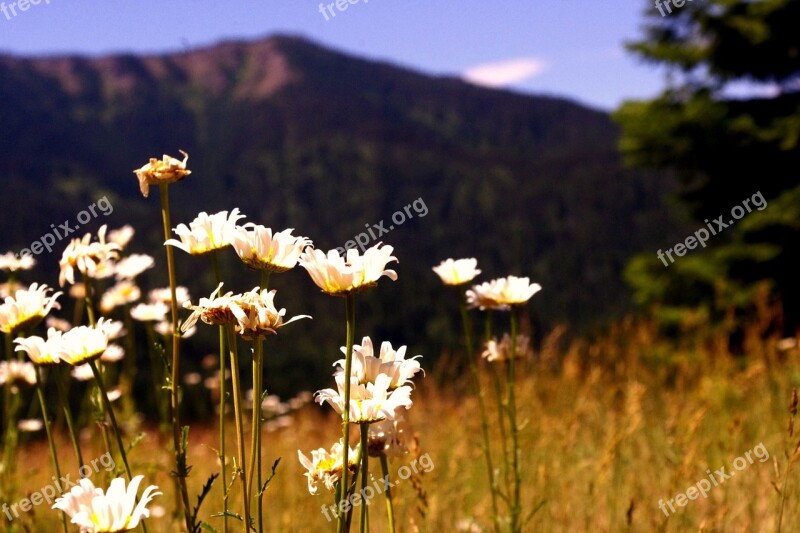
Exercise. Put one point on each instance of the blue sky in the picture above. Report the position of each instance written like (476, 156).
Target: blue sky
(570, 48)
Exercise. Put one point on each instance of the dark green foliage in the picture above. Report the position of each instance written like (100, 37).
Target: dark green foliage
(723, 150)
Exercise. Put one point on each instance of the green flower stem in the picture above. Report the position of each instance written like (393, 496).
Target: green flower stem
(501, 412)
(11, 405)
(388, 493)
(476, 380)
(180, 454)
(87, 297)
(222, 356)
(51, 442)
(258, 373)
(110, 413)
(350, 310)
(516, 508)
(129, 375)
(63, 394)
(237, 407)
(9, 342)
(364, 475)
(255, 445)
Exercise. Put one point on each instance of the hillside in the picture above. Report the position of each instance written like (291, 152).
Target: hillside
(299, 136)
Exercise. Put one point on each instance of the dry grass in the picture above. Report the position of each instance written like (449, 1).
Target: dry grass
(611, 427)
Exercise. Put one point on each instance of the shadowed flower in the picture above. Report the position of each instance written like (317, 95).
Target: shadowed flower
(122, 293)
(30, 425)
(40, 351)
(339, 276)
(133, 265)
(165, 328)
(366, 367)
(26, 308)
(501, 293)
(121, 236)
(165, 295)
(59, 323)
(9, 262)
(82, 373)
(325, 466)
(371, 402)
(386, 438)
(113, 353)
(91, 259)
(156, 312)
(457, 272)
(501, 351)
(85, 343)
(260, 249)
(168, 170)
(206, 233)
(17, 373)
(115, 511)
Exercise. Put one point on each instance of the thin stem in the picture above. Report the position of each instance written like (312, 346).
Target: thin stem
(255, 445)
(63, 394)
(501, 410)
(512, 416)
(364, 475)
(476, 380)
(49, 431)
(110, 413)
(222, 357)
(87, 290)
(237, 407)
(180, 455)
(388, 493)
(350, 310)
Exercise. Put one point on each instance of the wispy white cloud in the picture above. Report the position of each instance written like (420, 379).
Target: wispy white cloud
(504, 73)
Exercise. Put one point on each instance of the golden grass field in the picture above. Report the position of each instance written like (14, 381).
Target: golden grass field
(610, 427)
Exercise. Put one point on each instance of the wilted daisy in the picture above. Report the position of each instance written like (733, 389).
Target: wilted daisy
(502, 293)
(458, 271)
(156, 312)
(165, 295)
(386, 438)
(85, 343)
(17, 373)
(124, 292)
(256, 314)
(121, 236)
(259, 249)
(168, 170)
(115, 511)
(339, 276)
(214, 310)
(325, 466)
(206, 233)
(501, 351)
(366, 367)
(9, 262)
(91, 259)
(370, 402)
(133, 265)
(41, 351)
(27, 308)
